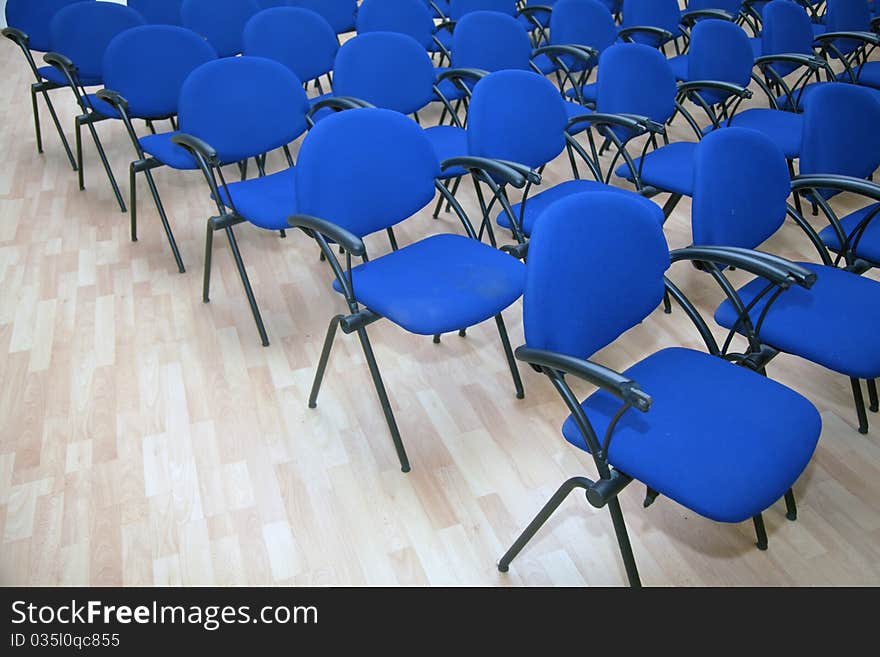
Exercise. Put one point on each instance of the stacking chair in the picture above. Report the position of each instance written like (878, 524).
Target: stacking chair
(144, 71)
(230, 110)
(435, 285)
(410, 17)
(299, 38)
(158, 12)
(221, 22)
(719, 439)
(652, 22)
(718, 50)
(79, 35)
(28, 27)
(458, 9)
(339, 13)
(740, 191)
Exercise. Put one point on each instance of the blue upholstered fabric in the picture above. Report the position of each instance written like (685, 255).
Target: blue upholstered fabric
(803, 96)
(736, 201)
(719, 50)
(170, 154)
(410, 17)
(784, 128)
(243, 106)
(386, 69)
(868, 245)
(869, 75)
(266, 201)
(834, 323)
(102, 108)
(54, 75)
(459, 8)
(439, 284)
(344, 165)
(448, 141)
(158, 12)
(221, 22)
(595, 269)
(670, 168)
(339, 13)
(538, 203)
(83, 31)
(147, 65)
(517, 116)
(298, 38)
(679, 66)
(719, 439)
(33, 18)
(490, 41)
(664, 14)
(847, 16)
(582, 22)
(786, 29)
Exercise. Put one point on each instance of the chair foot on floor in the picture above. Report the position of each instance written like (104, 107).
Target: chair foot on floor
(790, 505)
(860, 405)
(760, 532)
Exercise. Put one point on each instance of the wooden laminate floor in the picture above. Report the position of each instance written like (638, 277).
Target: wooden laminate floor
(147, 438)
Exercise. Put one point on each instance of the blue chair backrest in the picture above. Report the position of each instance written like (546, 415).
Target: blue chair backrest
(664, 14)
(83, 31)
(720, 50)
(158, 12)
(410, 17)
(840, 131)
(298, 38)
(268, 4)
(221, 22)
(635, 79)
(517, 116)
(582, 22)
(344, 163)
(386, 69)
(243, 106)
(459, 8)
(33, 17)
(847, 16)
(741, 183)
(732, 7)
(786, 29)
(490, 41)
(339, 13)
(578, 296)
(149, 64)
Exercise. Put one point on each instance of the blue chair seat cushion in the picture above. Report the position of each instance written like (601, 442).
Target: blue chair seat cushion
(670, 168)
(52, 74)
(451, 90)
(869, 75)
(679, 66)
(448, 141)
(588, 92)
(161, 147)
(718, 439)
(267, 201)
(535, 205)
(868, 246)
(833, 324)
(440, 284)
(757, 46)
(573, 109)
(545, 64)
(102, 108)
(785, 129)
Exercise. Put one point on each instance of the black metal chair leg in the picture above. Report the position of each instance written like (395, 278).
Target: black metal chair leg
(860, 405)
(209, 252)
(437, 338)
(670, 205)
(245, 281)
(79, 153)
(438, 207)
(873, 404)
(322, 363)
(132, 200)
(107, 168)
(453, 192)
(626, 553)
(164, 218)
(790, 505)
(760, 532)
(58, 128)
(539, 520)
(462, 333)
(383, 399)
(511, 361)
(667, 303)
(38, 133)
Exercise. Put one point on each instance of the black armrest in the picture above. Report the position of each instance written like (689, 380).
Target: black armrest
(690, 17)
(16, 35)
(629, 121)
(858, 186)
(339, 103)
(59, 61)
(774, 268)
(347, 240)
(535, 9)
(875, 23)
(113, 98)
(866, 37)
(585, 53)
(196, 145)
(599, 375)
(460, 73)
(811, 61)
(664, 35)
(495, 168)
(717, 85)
(518, 251)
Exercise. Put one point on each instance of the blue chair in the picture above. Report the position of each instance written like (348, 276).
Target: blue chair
(741, 186)
(410, 17)
(221, 22)
(652, 22)
(230, 110)
(719, 439)
(435, 285)
(850, 40)
(458, 9)
(78, 36)
(158, 12)
(28, 27)
(339, 13)
(718, 50)
(144, 70)
(298, 38)
(584, 23)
